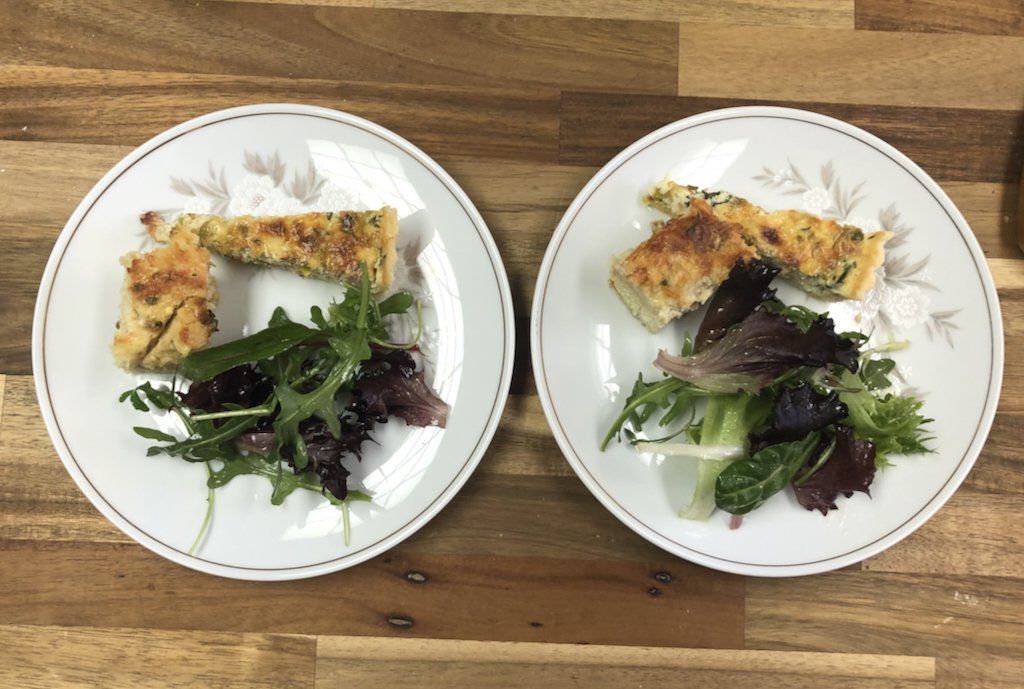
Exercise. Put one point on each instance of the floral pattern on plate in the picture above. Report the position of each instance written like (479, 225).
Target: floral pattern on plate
(900, 299)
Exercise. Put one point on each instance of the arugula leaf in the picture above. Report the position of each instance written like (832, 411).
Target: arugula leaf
(207, 363)
(399, 302)
(643, 401)
(279, 318)
(746, 485)
(207, 434)
(297, 407)
(237, 464)
(154, 434)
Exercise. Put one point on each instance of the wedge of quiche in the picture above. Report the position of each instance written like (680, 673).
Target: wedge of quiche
(166, 305)
(690, 255)
(680, 266)
(327, 245)
(821, 256)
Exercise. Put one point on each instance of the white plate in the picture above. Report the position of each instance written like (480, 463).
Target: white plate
(937, 291)
(273, 159)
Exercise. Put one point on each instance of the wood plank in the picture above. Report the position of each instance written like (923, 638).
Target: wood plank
(991, 210)
(835, 14)
(464, 597)
(844, 66)
(1008, 274)
(973, 533)
(996, 17)
(326, 3)
(127, 108)
(26, 249)
(438, 663)
(1000, 467)
(958, 145)
(523, 444)
(54, 657)
(972, 624)
(344, 43)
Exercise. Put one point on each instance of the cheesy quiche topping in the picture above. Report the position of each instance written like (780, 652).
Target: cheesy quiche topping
(689, 256)
(680, 266)
(326, 245)
(821, 256)
(166, 304)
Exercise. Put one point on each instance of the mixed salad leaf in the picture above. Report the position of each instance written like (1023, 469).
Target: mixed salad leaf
(294, 403)
(786, 401)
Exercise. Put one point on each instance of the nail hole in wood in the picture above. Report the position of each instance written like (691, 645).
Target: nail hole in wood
(400, 621)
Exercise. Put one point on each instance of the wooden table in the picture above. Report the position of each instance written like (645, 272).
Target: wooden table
(524, 579)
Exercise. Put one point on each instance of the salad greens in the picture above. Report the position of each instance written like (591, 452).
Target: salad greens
(290, 403)
(746, 485)
(786, 401)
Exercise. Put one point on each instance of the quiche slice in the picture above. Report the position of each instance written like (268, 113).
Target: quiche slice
(329, 245)
(821, 256)
(166, 305)
(680, 266)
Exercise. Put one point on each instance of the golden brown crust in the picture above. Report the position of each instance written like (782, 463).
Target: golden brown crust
(823, 256)
(680, 266)
(329, 245)
(166, 305)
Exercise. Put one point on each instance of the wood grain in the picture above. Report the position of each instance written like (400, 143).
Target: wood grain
(875, 67)
(343, 43)
(524, 579)
(961, 145)
(972, 623)
(433, 663)
(971, 532)
(47, 657)
(568, 600)
(834, 14)
(129, 107)
(997, 17)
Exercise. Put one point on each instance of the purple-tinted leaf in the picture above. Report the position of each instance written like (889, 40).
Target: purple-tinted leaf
(796, 412)
(762, 347)
(736, 298)
(242, 385)
(850, 468)
(390, 385)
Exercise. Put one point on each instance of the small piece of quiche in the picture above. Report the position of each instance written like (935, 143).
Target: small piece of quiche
(330, 246)
(166, 305)
(680, 266)
(821, 256)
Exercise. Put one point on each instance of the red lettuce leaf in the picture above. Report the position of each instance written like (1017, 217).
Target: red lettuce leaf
(390, 385)
(850, 468)
(242, 385)
(760, 348)
(795, 413)
(735, 299)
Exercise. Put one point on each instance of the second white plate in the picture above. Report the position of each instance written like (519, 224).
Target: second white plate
(935, 289)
